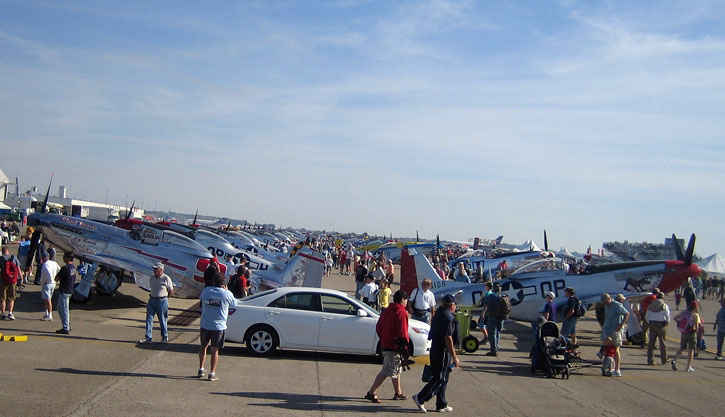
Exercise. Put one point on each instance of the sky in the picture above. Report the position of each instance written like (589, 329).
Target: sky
(596, 121)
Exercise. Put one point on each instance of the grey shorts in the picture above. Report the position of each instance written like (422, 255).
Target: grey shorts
(213, 338)
(46, 293)
(688, 341)
(392, 361)
(616, 338)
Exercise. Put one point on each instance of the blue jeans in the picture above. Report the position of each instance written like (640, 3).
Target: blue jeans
(720, 337)
(494, 332)
(64, 310)
(160, 308)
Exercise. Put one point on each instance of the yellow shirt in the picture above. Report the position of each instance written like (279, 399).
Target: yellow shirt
(384, 297)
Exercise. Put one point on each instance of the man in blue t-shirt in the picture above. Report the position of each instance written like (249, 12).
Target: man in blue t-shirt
(215, 303)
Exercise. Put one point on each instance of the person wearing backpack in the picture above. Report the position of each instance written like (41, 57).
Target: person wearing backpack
(571, 315)
(10, 273)
(492, 313)
(688, 322)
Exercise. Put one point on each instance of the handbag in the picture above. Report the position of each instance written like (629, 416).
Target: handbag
(427, 374)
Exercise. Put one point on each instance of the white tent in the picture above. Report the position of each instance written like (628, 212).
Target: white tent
(4, 206)
(713, 264)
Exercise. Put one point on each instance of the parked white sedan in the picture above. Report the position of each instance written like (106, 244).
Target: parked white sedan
(315, 319)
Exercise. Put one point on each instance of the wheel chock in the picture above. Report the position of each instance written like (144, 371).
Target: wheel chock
(15, 338)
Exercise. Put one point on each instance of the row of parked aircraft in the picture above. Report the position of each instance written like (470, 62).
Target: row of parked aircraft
(128, 248)
(527, 285)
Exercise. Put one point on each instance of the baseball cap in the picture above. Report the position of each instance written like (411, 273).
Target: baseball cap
(550, 294)
(159, 265)
(449, 299)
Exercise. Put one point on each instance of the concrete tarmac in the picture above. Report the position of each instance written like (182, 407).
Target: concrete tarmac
(99, 370)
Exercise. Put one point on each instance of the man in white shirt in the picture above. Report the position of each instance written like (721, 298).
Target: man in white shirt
(48, 271)
(368, 291)
(658, 315)
(422, 303)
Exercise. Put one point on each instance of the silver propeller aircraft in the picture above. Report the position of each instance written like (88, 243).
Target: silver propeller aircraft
(478, 261)
(527, 285)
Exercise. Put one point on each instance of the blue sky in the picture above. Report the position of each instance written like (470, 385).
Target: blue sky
(597, 122)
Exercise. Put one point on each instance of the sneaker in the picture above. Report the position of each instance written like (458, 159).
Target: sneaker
(3, 317)
(62, 331)
(419, 404)
(447, 409)
(144, 341)
(691, 369)
(10, 316)
(200, 374)
(46, 318)
(212, 377)
(674, 365)
(718, 358)
(165, 340)
(491, 354)
(617, 373)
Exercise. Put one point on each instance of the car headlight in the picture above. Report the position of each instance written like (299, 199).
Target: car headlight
(419, 330)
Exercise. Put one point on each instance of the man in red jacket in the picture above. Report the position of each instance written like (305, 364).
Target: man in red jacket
(392, 328)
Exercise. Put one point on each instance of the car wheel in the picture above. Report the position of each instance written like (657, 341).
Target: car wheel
(261, 340)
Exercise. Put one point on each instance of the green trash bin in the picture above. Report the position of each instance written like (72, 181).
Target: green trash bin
(468, 342)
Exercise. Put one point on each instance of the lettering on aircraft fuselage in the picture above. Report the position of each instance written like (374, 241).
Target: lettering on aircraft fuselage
(73, 221)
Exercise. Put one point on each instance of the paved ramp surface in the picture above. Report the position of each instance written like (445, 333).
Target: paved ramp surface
(100, 371)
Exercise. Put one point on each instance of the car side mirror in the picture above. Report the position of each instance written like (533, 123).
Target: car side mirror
(362, 313)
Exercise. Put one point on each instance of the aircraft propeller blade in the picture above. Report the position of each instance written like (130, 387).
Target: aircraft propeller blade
(34, 240)
(438, 241)
(546, 242)
(690, 250)
(130, 210)
(417, 238)
(679, 252)
(47, 194)
(195, 214)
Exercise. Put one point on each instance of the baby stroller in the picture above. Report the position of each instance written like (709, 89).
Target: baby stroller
(551, 353)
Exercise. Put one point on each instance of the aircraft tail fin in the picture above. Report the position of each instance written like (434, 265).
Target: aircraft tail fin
(305, 269)
(414, 268)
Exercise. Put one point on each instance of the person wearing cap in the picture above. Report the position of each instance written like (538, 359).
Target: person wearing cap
(658, 316)
(161, 288)
(215, 303)
(392, 329)
(48, 271)
(615, 317)
(568, 325)
(547, 314)
(443, 358)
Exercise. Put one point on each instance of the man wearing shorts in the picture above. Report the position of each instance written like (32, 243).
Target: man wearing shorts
(392, 328)
(568, 325)
(48, 272)
(215, 303)
(615, 316)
